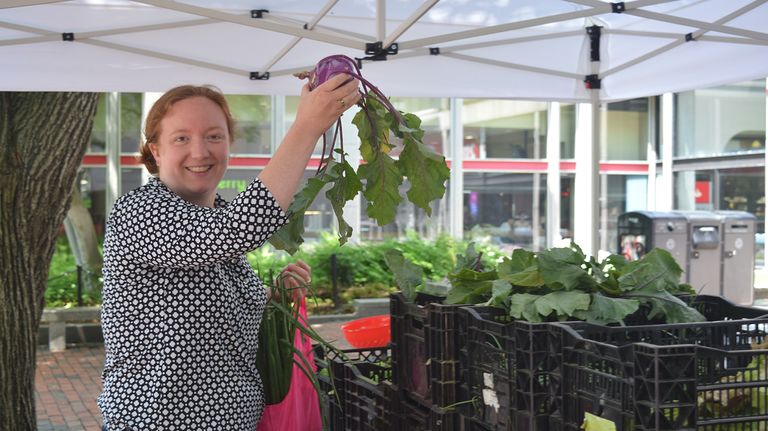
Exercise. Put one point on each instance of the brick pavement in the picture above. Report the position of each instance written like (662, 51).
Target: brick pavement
(68, 383)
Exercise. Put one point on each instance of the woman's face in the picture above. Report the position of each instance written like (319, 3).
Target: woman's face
(192, 151)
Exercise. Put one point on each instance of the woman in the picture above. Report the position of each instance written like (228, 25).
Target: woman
(182, 306)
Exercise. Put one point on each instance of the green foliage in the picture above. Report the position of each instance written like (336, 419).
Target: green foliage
(562, 283)
(61, 290)
(361, 269)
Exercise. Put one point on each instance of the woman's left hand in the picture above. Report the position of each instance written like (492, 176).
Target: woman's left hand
(296, 277)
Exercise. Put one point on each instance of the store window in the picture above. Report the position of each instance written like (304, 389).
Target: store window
(435, 121)
(504, 129)
(253, 122)
(626, 129)
(729, 119)
(567, 131)
(506, 209)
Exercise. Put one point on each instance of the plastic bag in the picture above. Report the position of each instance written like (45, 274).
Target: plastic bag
(300, 410)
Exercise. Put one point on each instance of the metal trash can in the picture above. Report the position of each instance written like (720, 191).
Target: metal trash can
(640, 231)
(705, 254)
(738, 269)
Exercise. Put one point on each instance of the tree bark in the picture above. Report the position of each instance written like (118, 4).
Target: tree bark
(43, 137)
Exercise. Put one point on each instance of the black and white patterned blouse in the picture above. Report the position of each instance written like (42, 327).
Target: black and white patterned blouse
(181, 310)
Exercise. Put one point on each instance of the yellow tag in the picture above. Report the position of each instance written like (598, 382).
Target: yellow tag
(596, 423)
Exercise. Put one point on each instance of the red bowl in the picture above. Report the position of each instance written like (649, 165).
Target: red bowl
(367, 332)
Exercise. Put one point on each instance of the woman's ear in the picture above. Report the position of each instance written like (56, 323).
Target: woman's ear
(155, 152)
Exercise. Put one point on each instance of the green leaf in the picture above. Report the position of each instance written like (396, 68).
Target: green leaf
(469, 259)
(382, 188)
(346, 185)
(659, 262)
(426, 171)
(521, 269)
(561, 268)
(536, 308)
(289, 237)
(500, 291)
(470, 287)
(562, 303)
(407, 275)
(666, 305)
(521, 307)
(373, 130)
(604, 310)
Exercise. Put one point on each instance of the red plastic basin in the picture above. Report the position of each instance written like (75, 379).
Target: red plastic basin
(367, 332)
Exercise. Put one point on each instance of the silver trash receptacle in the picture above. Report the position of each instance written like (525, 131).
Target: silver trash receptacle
(738, 271)
(703, 272)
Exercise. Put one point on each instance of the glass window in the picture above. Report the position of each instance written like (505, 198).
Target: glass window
(567, 185)
(130, 179)
(626, 128)
(505, 129)
(93, 191)
(253, 117)
(130, 121)
(744, 190)
(435, 120)
(409, 218)
(621, 193)
(720, 120)
(506, 209)
(567, 131)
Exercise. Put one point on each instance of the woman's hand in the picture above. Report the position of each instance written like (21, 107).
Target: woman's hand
(296, 277)
(319, 108)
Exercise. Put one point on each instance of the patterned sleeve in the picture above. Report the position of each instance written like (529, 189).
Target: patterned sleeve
(156, 227)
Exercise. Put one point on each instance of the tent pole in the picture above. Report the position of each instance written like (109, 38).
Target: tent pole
(586, 215)
(381, 19)
(456, 181)
(666, 202)
(112, 145)
(553, 175)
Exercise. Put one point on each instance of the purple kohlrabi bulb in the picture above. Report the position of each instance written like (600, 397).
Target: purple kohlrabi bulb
(330, 66)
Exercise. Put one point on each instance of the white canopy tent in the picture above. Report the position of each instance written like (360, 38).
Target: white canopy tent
(528, 49)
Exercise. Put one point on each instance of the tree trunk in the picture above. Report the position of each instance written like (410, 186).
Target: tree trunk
(43, 137)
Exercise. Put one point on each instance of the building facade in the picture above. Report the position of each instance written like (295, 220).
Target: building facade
(513, 162)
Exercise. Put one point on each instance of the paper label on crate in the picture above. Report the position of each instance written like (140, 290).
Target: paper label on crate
(488, 380)
(490, 399)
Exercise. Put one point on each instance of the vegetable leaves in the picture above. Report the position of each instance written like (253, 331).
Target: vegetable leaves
(379, 177)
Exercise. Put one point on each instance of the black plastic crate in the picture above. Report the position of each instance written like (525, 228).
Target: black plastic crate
(333, 364)
(507, 371)
(412, 416)
(425, 349)
(369, 396)
(698, 376)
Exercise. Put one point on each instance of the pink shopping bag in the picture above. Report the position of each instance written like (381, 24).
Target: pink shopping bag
(300, 410)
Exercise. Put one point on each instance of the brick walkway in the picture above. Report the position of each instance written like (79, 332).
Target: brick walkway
(68, 383)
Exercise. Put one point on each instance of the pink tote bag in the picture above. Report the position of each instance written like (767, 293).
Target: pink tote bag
(300, 410)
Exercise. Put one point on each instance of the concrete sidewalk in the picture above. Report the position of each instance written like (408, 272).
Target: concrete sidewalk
(67, 383)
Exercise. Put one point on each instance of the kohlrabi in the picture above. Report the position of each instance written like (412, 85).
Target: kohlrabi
(381, 128)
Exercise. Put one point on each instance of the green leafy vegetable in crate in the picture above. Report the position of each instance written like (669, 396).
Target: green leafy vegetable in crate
(563, 284)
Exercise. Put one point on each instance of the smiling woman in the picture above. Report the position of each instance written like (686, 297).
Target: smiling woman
(182, 307)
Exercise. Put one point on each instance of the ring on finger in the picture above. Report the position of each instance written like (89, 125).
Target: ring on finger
(343, 103)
